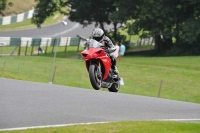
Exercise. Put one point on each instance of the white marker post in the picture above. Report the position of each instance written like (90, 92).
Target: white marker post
(51, 73)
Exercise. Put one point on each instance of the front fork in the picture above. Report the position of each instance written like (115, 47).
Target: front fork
(99, 74)
(98, 64)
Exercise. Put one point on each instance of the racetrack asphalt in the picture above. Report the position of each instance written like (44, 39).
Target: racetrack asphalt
(29, 104)
(72, 29)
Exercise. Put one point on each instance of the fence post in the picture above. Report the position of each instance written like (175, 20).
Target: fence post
(78, 44)
(54, 74)
(26, 48)
(66, 45)
(39, 47)
(46, 46)
(1, 47)
(32, 47)
(4, 66)
(13, 51)
(53, 45)
(160, 89)
(19, 50)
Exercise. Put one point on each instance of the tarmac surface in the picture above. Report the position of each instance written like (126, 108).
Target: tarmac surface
(31, 104)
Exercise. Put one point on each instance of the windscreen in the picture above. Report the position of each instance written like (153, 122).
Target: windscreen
(94, 44)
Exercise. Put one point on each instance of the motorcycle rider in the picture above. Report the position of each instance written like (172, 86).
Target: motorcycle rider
(98, 35)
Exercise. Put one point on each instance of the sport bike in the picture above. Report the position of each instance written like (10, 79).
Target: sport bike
(98, 65)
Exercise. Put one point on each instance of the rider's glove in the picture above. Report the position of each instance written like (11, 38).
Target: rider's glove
(107, 50)
(110, 50)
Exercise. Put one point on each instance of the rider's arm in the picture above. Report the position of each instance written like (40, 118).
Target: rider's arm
(109, 44)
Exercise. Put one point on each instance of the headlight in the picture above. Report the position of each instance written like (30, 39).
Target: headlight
(84, 55)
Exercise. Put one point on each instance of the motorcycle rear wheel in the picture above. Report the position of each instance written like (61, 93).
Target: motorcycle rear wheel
(94, 79)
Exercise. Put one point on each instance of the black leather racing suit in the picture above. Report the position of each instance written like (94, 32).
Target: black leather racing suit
(110, 49)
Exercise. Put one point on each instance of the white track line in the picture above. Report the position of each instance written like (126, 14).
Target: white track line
(63, 125)
(198, 119)
(72, 28)
(47, 126)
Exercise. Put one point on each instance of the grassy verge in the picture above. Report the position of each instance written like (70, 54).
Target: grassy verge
(142, 76)
(122, 127)
(175, 78)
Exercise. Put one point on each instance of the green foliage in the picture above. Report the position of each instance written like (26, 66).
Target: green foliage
(47, 8)
(171, 19)
(164, 20)
(100, 12)
(4, 4)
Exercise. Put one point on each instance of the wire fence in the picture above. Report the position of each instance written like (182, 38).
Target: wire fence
(69, 74)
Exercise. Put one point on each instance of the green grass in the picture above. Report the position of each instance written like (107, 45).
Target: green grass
(121, 127)
(178, 77)
(142, 76)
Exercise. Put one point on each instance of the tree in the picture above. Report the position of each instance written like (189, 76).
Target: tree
(47, 8)
(85, 12)
(4, 4)
(173, 23)
(149, 19)
(170, 19)
(91, 11)
(187, 25)
(80, 11)
(101, 12)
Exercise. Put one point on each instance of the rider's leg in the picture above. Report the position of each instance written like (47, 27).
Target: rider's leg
(114, 67)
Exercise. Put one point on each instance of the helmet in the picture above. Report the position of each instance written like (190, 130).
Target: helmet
(98, 34)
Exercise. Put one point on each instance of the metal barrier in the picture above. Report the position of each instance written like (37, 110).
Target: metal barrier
(25, 45)
(17, 18)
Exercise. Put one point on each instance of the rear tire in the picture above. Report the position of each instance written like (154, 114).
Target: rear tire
(94, 79)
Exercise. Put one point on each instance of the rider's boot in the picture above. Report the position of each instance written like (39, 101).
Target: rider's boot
(115, 72)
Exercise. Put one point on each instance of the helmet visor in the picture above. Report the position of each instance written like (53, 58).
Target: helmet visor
(98, 38)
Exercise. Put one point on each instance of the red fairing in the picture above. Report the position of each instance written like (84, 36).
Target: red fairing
(99, 54)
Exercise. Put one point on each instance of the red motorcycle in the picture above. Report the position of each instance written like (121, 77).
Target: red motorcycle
(98, 64)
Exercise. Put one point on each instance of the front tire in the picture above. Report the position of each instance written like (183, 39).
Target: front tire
(94, 78)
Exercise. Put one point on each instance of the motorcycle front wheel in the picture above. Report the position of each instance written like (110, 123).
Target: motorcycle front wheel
(94, 78)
